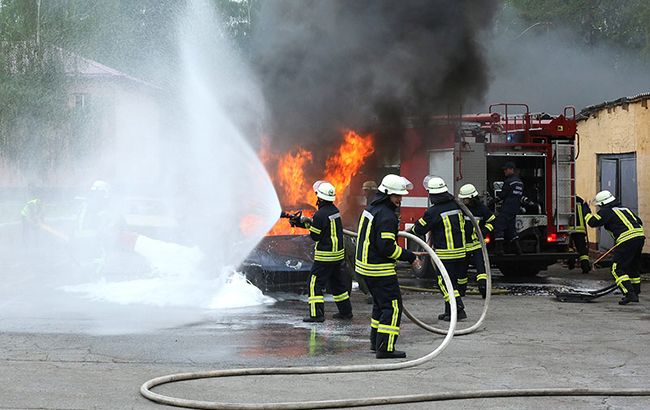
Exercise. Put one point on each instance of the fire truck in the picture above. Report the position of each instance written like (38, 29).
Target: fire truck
(472, 148)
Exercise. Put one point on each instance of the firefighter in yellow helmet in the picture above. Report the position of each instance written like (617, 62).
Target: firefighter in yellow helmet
(627, 229)
(376, 256)
(326, 228)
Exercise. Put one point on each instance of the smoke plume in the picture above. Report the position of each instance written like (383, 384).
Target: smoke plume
(367, 65)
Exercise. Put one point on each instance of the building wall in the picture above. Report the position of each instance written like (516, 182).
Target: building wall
(615, 130)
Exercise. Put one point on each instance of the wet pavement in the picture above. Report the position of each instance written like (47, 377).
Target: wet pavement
(61, 351)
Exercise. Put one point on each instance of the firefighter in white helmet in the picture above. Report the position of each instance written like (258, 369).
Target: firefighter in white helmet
(326, 228)
(446, 222)
(484, 218)
(376, 255)
(627, 229)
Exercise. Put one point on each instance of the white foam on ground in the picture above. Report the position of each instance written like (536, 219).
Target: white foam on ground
(176, 279)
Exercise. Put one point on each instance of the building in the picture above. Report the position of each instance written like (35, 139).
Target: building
(112, 130)
(613, 151)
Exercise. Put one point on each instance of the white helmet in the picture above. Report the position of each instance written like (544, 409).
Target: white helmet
(395, 185)
(603, 198)
(436, 185)
(100, 186)
(325, 191)
(467, 191)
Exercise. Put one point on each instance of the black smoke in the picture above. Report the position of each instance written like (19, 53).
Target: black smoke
(367, 65)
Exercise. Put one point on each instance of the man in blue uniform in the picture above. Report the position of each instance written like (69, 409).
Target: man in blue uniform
(505, 223)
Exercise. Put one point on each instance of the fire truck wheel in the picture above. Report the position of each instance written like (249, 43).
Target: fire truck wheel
(513, 271)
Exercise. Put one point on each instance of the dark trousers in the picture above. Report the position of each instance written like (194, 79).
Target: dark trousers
(386, 311)
(475, 258)
(505, 227)
(579, 241)
(626, 268)
(456, 268)
(323, 273)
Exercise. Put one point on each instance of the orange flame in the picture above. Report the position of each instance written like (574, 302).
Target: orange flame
(291, 181)
(347, 160)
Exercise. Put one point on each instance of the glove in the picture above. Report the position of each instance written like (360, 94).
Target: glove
(418, 264)
(305, 222)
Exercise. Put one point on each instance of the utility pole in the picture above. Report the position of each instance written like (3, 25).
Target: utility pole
(38, 22)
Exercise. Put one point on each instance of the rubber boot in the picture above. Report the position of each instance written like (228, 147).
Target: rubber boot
(446, 313)
(630, 296)
(460, 311)
(382, 353)
(585, 266)
(517, 246)
(373, 339)
(482, 288)
(345, 310)
(571, 263)
(320, 314)
(498, 247)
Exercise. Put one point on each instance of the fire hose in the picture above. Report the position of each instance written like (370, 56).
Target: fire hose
(146, 391)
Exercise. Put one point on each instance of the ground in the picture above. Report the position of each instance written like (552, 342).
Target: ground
(528, 340)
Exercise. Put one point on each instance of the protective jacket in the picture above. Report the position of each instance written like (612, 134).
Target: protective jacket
(484, 219)
(326, 229)
(621, 222)
(511, 194)
(582, 209)
(446, 222)
(377, 249)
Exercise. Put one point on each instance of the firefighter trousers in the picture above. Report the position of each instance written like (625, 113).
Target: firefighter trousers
(505, 227)
(626, 267)
(386, 312)
(323, 273)
(475, 259)
(579, 241)
(456, 268)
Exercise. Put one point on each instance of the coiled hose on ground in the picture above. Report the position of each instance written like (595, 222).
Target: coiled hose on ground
(145, 389)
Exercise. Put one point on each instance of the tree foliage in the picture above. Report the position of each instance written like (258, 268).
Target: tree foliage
(621, 23)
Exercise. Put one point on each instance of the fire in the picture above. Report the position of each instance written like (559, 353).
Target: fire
(291, 180)
(291, 176)
(346, 161)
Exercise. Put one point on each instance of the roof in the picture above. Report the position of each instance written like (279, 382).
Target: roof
(76, 65)
(592, 109)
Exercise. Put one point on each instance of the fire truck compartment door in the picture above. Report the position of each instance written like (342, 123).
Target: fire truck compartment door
(441, 164)
(524, 222)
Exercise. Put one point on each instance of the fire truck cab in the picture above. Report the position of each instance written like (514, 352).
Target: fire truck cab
(472, 148)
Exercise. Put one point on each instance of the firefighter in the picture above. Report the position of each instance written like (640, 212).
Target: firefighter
(326, 229)
(579, 236)
(511, 194)
(627, 229)
(445, 220)
(376, 256)
(484, 217)
(369, 189)
(31, 216)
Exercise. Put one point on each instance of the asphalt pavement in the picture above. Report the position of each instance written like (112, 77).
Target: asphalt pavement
(529, 340)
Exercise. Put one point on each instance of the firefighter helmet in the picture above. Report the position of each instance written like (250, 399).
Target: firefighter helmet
(100, 186)
(467, 191)
(436, 185)
(603, 198)
(325, 191)
(395, 185)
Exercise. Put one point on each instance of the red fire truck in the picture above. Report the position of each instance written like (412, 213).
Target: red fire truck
(472, 148)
